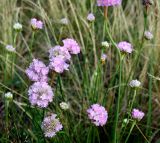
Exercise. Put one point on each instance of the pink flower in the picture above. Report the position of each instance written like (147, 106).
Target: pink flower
(90, 17)
(51, 125)
(36, 24)
(125, 47)
(108, 2)
(58, 64)
(37, 71)
(137, 114)
(97, 114)
(71, 45)
(40, 94)
(60, 52)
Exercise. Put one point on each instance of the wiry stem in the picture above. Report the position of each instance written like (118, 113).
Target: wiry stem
(105, 12)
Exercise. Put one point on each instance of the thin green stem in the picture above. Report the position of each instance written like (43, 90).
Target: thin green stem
(134, 96)
(31, 45)
(118, 103)
(134, 123)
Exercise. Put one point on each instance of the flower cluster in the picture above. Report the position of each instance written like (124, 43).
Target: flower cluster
(51, 125)
(36, 24)
(64, 105)
(91, 17)
(97, 114)
(125, 47)
(60, 55)
(8, 96)
(148, 35)
(64, 21)
(135, 83)
(108, 2)
(37, 71)
(137, 114)
(10, 48)
(40, 94)
(17, 26)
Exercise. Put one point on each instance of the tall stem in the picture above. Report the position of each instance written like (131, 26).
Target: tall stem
(134, 123)
(118, 102)
(105, 12)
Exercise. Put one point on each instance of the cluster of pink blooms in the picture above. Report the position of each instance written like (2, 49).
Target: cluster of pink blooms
(40, 94)
(97, 114)
(60, 55)
(37, 71)
(51, 125)
(36, 24)
(125, 47)
(137, 114)
(108, 2)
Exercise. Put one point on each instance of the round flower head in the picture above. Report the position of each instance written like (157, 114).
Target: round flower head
(64, 105)
(40, 94)
(71, 45)
(148, 35)
(17, 26)
(103, 58)
(8, 96)
(91, 17)
(10, 48)
(51, 125)
(137, 114)
(125, 47)
(58, 64)
(135, 83)
(64, 21)
(36, 24)
(108, 2)
(105, 44)
(97, 114)
(37, 71)
(60, 52)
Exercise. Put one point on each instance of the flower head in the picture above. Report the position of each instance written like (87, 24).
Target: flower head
(8, 96)
(17, 26)
(64, 21)
(59, 51)
(51, 125)
(148, 35)
(97, 114)
(105, 44)
(108, 2)
(64, 105)
(137, 114)
(91, 17)
(37, 71)
(103, 58)
(10, 48)
(135, 83)
(71, 45)
(58, 64)
(125, 47)
(40, 94)
(36, 24)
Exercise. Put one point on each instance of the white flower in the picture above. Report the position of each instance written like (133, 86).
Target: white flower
(105, 44)
(10, 48)
(64, 105)
(135, 83)
(148, 35)
(64, 21)
(17, 26)
(91, 17)
(8, 96)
